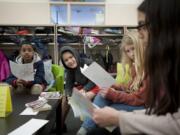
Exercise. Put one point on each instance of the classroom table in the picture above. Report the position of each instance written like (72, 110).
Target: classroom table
(14, 120)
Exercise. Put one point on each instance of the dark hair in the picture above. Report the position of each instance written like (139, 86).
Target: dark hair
(142, 7)
(28, 43)
(162, 60)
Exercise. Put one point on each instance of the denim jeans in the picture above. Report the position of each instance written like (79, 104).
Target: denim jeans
(102, 102)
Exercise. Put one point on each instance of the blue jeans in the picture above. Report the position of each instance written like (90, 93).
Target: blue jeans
(102, 102)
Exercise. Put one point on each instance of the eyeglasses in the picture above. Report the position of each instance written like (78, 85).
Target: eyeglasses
(142, 25)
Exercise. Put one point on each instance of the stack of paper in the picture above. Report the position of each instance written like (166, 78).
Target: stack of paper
(39, 105)
(50, 95)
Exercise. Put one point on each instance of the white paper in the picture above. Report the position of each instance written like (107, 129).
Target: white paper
(29, 111)
(29, 127)
(50, 95)
(84, 68)
(81, 105)
(22, 71)
(98, 75)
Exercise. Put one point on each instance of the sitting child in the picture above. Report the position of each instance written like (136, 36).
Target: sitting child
(123, 96)
(72, 62)
(4, 67)
(28, 55)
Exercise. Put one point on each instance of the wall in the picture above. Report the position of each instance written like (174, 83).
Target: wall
(121, 12)
(24, 12)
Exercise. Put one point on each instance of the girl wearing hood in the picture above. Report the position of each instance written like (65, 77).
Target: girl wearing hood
(74, 78)
(28, 55)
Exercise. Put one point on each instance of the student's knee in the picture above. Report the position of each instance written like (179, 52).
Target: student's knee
(36, 89)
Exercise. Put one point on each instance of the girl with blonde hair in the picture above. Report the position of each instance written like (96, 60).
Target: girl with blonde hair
(127, 97)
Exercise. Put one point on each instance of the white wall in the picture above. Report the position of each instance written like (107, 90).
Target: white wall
(24, 12)
(121, 12)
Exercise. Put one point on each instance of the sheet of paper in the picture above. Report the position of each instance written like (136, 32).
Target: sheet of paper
(83, 107)
(75, 108)
(22, 71)
(29, 111)
(98, 75)
(29, 127)
(80, 104)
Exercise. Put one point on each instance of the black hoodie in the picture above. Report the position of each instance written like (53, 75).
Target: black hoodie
(74, 75)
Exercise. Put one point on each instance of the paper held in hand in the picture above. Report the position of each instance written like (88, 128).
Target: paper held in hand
(22, 71)
(83, 107)
(98, 75)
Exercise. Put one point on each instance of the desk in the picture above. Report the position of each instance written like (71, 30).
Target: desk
(14, 120)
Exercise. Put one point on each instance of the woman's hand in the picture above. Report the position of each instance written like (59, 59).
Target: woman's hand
(89, 95)
(106, 117)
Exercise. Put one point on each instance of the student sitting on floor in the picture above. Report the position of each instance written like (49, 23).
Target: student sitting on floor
(28, 55)
(74, 78)
(123, 97)
(4, 67)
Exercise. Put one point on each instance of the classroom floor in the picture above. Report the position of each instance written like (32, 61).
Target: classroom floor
(73, 124)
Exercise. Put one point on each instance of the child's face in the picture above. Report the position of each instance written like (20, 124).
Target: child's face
(27, 53)
(69, 60)
(129, 50)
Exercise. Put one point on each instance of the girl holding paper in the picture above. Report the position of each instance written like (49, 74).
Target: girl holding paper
(28, 55)
(127, 97)
(74, 78)
(161, 28)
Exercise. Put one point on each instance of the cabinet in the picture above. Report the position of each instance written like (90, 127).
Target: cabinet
(43, 36)
(101, 43)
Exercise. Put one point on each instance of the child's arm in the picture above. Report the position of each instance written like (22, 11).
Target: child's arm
(11, 80)
(39, 73)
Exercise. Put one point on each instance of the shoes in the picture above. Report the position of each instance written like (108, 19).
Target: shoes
(64, 130)
(82, 131)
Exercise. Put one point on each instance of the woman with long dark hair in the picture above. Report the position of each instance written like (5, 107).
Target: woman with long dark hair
(159, 24)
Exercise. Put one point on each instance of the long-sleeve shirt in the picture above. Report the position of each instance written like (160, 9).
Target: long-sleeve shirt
(138, 122)
(74, 75)
(136, 98)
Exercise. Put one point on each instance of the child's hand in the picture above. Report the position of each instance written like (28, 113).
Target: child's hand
(104, 92)
(89, 95)
(83, 92)
(21, 82)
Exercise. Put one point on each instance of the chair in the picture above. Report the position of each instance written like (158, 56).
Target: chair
(58, 72)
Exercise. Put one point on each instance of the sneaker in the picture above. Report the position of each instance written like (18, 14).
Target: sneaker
(64, 130)
(82, 131)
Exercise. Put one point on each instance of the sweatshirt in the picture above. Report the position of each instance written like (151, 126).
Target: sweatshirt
(138, 122)
(38, 68)
(74, 75)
